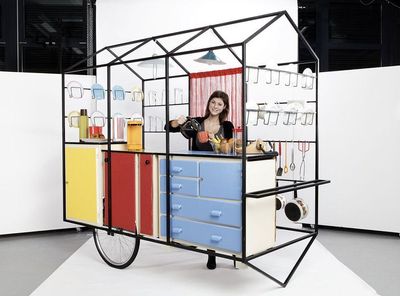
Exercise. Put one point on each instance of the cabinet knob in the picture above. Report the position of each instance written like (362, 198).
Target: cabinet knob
(216, 238)
(176, 230)
(147, 161)
(176, 186)
(216, 213)
(176, 169)
(176, 207)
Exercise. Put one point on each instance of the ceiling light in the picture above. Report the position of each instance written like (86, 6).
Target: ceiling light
(152, 63)
(210, 59)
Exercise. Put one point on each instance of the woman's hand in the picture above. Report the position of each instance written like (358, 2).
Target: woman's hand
(178, 121)
(181, 120)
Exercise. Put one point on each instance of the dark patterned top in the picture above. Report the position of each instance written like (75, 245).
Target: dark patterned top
(225, 131)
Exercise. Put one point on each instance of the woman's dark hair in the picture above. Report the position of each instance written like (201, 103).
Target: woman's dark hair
(225, 98)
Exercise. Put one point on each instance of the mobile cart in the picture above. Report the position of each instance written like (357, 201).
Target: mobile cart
(219, 204)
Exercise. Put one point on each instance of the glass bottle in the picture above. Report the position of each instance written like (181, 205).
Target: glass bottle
(83, 124)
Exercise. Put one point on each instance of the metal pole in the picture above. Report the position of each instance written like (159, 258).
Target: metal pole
(63, 143)
(143, 114)
(316, 147)
(127, 66)
(224, 42)
(109, 179)
(173, 58)
(299, 260)
(244, 139)
(263, 28)
(201, 28)
(167, 156)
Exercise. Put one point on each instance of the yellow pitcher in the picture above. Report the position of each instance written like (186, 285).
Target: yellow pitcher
(134, 134)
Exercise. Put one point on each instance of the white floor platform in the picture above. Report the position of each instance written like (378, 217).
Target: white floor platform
(161, 270)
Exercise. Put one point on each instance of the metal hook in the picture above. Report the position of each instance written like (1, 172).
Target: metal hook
(303, 81)
(310, 122)
(268, 115)
(71, 91)
(287, 83)
(276, 118)
(248, 112)
(312, 83)
(308, 118)
(270, 77)
(291, 118)
(287, 119)
(297, 79)
(279, 78)
(258, 73)
(256, 120)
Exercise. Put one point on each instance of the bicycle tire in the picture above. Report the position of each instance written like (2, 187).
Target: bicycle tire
(117, 250)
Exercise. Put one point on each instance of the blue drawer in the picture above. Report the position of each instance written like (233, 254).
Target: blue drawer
(214, 211)
(221, 180)
(180, 185)
(184, 168)
(213, 236)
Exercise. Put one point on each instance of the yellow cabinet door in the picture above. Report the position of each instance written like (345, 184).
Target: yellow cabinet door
(81, 168)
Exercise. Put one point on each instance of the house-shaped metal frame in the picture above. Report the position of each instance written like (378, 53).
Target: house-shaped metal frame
(173, 56)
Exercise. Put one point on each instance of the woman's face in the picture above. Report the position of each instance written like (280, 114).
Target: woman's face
(216, 106)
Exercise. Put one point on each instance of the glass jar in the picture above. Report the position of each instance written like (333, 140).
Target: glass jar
(237, 140)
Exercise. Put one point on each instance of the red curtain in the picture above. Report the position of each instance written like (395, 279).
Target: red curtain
(203, 84)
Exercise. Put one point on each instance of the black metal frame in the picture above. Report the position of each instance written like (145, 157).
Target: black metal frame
(173, 54)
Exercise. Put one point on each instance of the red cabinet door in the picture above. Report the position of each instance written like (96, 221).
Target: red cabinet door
(146, 193)
(123, 207)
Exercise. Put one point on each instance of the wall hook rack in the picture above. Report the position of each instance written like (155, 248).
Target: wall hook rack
(276, 76)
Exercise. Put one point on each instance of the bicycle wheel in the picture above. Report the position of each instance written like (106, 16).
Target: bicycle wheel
(117, 250)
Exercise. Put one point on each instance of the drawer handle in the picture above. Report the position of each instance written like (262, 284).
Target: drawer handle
(176, 230)
(176, 186)
(176, 207)
(216, 238)
(216, 213)
(177, 169)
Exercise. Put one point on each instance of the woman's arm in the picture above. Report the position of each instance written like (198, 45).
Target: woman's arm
(174, 125)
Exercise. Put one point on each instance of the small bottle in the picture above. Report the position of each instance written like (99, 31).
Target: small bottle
(83, 125)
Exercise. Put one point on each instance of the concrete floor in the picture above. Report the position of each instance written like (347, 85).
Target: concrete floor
(27, 260)
(373, 257)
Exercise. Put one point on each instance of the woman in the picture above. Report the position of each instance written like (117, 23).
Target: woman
(212, 124)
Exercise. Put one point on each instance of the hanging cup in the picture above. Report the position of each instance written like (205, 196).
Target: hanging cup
(280, 202)
(296, 210)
